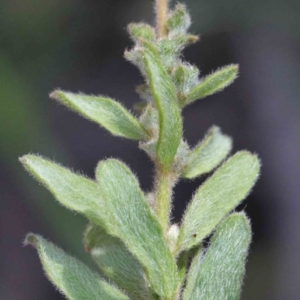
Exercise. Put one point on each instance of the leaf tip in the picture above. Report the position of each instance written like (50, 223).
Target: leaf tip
(22, 159)
(56, 94)
(31, 239)
(25, 160)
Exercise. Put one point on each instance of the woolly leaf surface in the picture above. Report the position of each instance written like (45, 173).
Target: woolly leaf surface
(141, 31)
(135, 224)
(213, 83)
(217, 196)
(116, 262)
(74, 191)
(218, 274)
(72, 278)
(208, 154)
(108, 113)
(179, 20)
(163, 91)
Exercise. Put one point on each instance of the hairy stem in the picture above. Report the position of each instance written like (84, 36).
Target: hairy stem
(161, 17)
(164, 183)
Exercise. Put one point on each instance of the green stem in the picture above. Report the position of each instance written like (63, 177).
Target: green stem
(161, 17)
(164, 184)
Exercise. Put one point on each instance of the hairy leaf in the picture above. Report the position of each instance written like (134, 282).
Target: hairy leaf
(116, 262)
(208, 154)
(184, 261)
(170, 49)
(141, 30)
(216, 197)
(108, 113)
(134, 223)
(185, 78)
(179, 20)
(213, 83)
(74, 191)
(163, 90)
(72, 278)
(218, 275)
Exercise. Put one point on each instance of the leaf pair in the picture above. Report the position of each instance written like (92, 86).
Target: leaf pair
(118, 205)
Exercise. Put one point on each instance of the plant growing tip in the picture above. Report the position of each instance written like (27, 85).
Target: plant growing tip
(141, 255)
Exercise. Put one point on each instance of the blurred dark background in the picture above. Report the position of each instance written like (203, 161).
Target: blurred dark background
(78, 46)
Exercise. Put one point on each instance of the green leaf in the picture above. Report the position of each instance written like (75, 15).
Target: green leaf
(144, 92)
(218, 275)
(170, 49)
(179, 20)
(185, 78)
(74, 191)
(192, 270)
(213, 83)
(141, 31)
(72, 278)
(116, 262)
(132, 220)
(170, 123)
(184, 260)
(208, 154)
(106, 112)
(216, 197)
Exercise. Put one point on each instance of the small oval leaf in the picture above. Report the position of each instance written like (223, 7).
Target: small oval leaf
(213, 83)
(219, 273)
(217, 196)
(208, 154)
(72, 278)
(108, 113)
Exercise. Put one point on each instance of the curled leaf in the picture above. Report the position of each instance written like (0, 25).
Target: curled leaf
(163, 91)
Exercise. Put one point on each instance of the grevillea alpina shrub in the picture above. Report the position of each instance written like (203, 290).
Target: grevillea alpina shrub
(140, 253)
